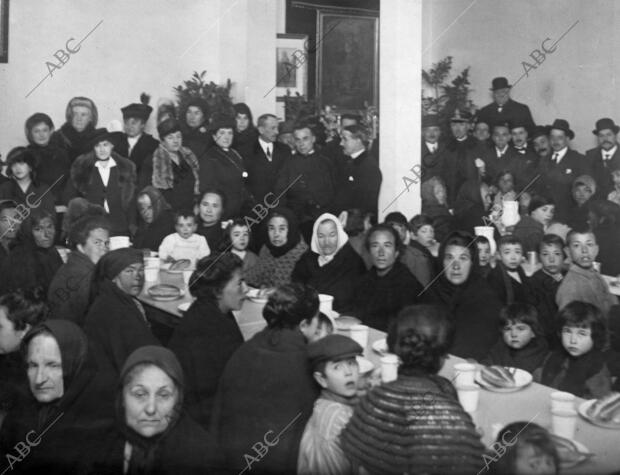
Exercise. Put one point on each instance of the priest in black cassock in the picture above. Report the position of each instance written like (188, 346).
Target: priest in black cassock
(503, 108)
(134, 143)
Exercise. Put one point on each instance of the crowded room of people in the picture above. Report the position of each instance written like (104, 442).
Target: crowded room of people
(314, 237)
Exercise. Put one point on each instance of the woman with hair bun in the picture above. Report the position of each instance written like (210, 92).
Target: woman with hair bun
(416, 423)
(268, 385)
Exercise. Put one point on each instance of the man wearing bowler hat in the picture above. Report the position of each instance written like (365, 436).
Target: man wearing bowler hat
(134, 143)
(605, 158)
(433, 150)
(503, 108)
(560, 170)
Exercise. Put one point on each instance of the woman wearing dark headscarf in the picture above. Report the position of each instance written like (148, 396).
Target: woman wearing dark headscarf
(267, 385)
(194, 118)
(208, 334)
(60, 420)
(467, 297)
(331, 266)
(283, 247)
(155, 219)
(472, 204)
(116, 323)
(434, 205)
(173, 169)
(245, 134)
(33, 259)
(416, 423)
(77, 132)
(154, 435)
(222, 167)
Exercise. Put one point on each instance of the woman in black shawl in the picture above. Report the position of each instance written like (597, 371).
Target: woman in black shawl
(246, 134)
(471, 206)
(33, 259)
(283, 247)
(194, 119)
(155, 219)
(78, 131)
(210, 209)
(60, 421)
(467, 297)
(154, 435)
(331, 265)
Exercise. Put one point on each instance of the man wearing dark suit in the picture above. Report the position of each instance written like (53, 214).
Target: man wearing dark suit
(605, 158)
(134, 143)
(432, 150)
(503, 108)
(358, 178)
(462, 160)
(267, 158)
(560, 170)
(527, 160)
(332, 148)
(501, 157)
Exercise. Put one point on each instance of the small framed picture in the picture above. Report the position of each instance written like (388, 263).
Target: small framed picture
(291, 65)
(4, 31)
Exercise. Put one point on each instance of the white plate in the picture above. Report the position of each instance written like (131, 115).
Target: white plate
(583, 412)
(253, 295)
(381, 347)
(184, 306)
(167, 299)
(364, 364)
(522, 379)
(586, 454)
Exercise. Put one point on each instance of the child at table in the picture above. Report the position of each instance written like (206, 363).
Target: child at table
(185, 243)
(580, 365)
(529, 449)
(582, 282)
(523, 344)
(336, 370)
(508, 279)
(545, 283)
(484, 256)
(238, 237)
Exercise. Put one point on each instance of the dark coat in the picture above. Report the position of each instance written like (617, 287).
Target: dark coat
(224, 170)
(204, 341)
(512, 111)
(530, 232)
(143, 149)
(528, 163)
(544, 288)
(262, 173)
(357, 184)
(432, 163)
(150, 236)
(267, 385)
(307, 185)
(215, 235)
(528, 358)
(14, 386)
(474, 309)
(38, 193)
(494, 165)
(74, 142)
(608, 240)
(507, 289)
(52, 167)
(459, 165)
(601, 170)
(336, 278)
(198, 140)
(379, 299)
(69, 292)
(28, 266)
(556, 180)
(186, 449)
(244, 142)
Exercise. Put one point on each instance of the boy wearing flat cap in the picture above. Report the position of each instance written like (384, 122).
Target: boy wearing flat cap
(336, 370)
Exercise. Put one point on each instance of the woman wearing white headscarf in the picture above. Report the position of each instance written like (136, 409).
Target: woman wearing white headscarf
(331, 265)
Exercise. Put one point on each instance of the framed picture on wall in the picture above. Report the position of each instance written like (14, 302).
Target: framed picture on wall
(347, 70)
(4, 31)
(291, 65)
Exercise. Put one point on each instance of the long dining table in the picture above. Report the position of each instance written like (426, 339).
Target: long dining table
(495, 410)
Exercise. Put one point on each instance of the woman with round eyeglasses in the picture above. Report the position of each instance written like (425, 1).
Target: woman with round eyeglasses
(153, 434)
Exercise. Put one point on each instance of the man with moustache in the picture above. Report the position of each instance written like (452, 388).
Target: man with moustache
(527, 161)
(432, 150)
(605, 158)
(503, 108)
(560, 170)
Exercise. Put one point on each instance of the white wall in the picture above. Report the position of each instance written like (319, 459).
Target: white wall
(577, 82)
(142, 45)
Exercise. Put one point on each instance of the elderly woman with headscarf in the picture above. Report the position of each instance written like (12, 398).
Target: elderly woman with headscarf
(60, 419)
(194, 118)
(116, 323)
(155, 219)
(208, 334)
(435, 206)
(173, 169)
(33, 259)
(154, 435)
(331, 265)
(283, 247)
(246, 134)
(472, 205)
(77, 132)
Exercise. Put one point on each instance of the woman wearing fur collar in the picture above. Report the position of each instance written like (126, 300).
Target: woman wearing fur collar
(173, 169)
(109, 180)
